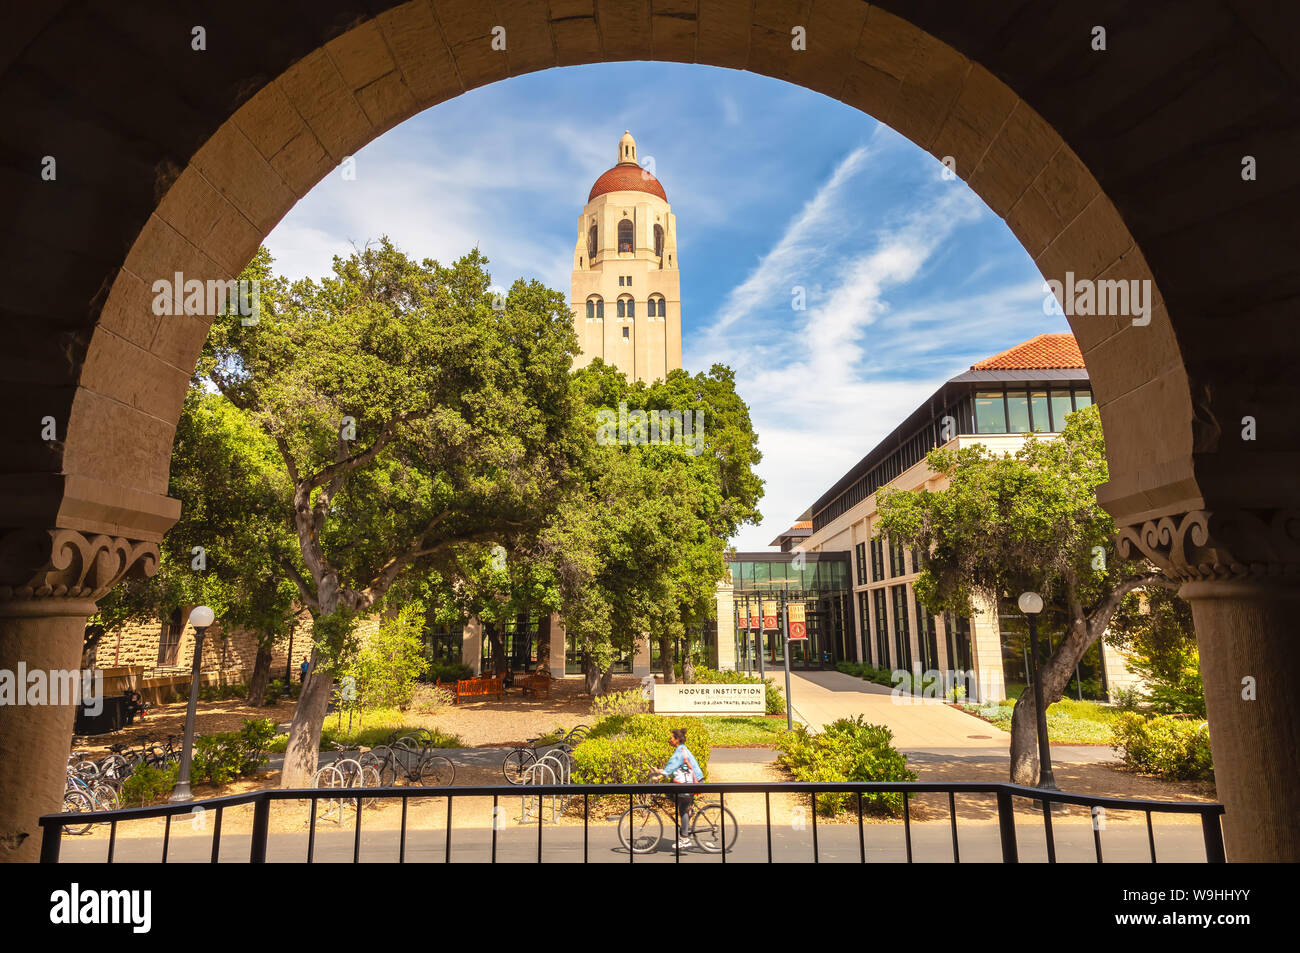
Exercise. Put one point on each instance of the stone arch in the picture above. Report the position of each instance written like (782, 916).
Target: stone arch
(1119, 168)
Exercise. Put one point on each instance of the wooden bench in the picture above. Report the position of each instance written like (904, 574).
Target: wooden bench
(479, 686)
(538, 685)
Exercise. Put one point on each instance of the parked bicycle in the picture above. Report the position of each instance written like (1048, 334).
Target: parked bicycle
(518, 760)
(346, 772)
(82, 796)
(641, 827)
(411, 757)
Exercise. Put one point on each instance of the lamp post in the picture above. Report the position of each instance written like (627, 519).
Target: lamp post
(1031, 603)
(200, 618)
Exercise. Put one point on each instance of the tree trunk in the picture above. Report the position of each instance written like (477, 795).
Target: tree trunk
(500, 664)
(1056, 674)
(667, 645)
(300, 755)
(688, 667)
(544, 642)
(607, 681)
(261, 675)
(591, 673)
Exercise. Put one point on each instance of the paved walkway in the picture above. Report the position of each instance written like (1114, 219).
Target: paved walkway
(936, 731)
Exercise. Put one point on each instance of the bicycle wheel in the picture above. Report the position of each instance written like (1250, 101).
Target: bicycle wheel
(329, 777)
(437, 771)
(386, 763)
(516, 763)
(369, 779)
(640, 829)
(106, 794)
(75, 802)
(708, 826)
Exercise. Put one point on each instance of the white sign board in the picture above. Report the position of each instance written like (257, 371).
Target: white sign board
(709, 700)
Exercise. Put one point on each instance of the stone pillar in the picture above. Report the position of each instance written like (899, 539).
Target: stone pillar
(471, 646)
(1241, 573)
(986, 651)
(49, 581)
(559, 641)
(641, 657)
(726, 608)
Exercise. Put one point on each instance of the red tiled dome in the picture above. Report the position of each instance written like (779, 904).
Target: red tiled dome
(627, 178)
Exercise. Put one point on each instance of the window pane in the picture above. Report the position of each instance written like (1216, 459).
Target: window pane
(1038, 405)
(990, 415)
(1082, 398)
(1060, 408)
(1017, 412)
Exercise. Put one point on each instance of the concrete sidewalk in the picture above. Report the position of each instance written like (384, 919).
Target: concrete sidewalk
(931, 731)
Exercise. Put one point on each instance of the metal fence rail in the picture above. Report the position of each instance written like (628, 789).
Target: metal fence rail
(1210, 813)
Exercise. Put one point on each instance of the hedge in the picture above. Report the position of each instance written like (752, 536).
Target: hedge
(846, 750)
(1176, 749)
(623, 749)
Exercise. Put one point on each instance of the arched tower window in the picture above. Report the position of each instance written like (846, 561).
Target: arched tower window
(625, 235)
(659, 241)
(595, 308)
(656, 309)
(591, 243)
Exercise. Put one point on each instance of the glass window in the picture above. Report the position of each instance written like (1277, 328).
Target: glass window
(625, 235)
(600, 308)
(990, 412)
(902, 643)
(622, 307)
(1038, 406)
(1082, 398)
(1060, 409)
(591, 309)
(1017, 412)
(591, 242)
(631, 308)
(860, 551)
(627, 335)
(659, 241)
(882, 629)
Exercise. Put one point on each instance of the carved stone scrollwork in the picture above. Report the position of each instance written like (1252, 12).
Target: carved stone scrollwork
(1220, 545)
(63, 563)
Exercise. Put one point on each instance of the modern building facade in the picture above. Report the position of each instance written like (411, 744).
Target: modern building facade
(1029, 388)
(626, 289)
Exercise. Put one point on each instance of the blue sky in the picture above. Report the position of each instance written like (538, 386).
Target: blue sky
(909, 277)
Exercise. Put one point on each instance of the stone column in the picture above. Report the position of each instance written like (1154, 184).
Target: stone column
(1240, 570)
(49, 581)
(471, 647)
(559, 641)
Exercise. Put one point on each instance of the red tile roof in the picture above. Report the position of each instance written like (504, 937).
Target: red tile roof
(1047, 351)
(627, 177)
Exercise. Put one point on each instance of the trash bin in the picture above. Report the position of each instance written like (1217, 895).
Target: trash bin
(108, 720)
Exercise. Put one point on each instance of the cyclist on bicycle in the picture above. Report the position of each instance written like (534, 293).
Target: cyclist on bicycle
(682, 768)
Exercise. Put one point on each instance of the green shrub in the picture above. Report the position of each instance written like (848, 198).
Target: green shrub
(630, 702)
(846, 750)
(623, 749)
(1176, 749)
(220, 758)
(147, 784)
(448, 672)
(774, 701)
(214, 693)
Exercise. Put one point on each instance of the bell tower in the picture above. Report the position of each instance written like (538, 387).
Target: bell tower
(626, 289)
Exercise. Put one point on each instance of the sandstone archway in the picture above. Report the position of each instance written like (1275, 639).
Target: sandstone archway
(1122, 164)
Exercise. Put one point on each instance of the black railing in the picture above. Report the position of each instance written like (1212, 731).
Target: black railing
(1005, 795)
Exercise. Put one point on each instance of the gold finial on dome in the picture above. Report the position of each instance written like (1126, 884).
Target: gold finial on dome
(627, 149)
